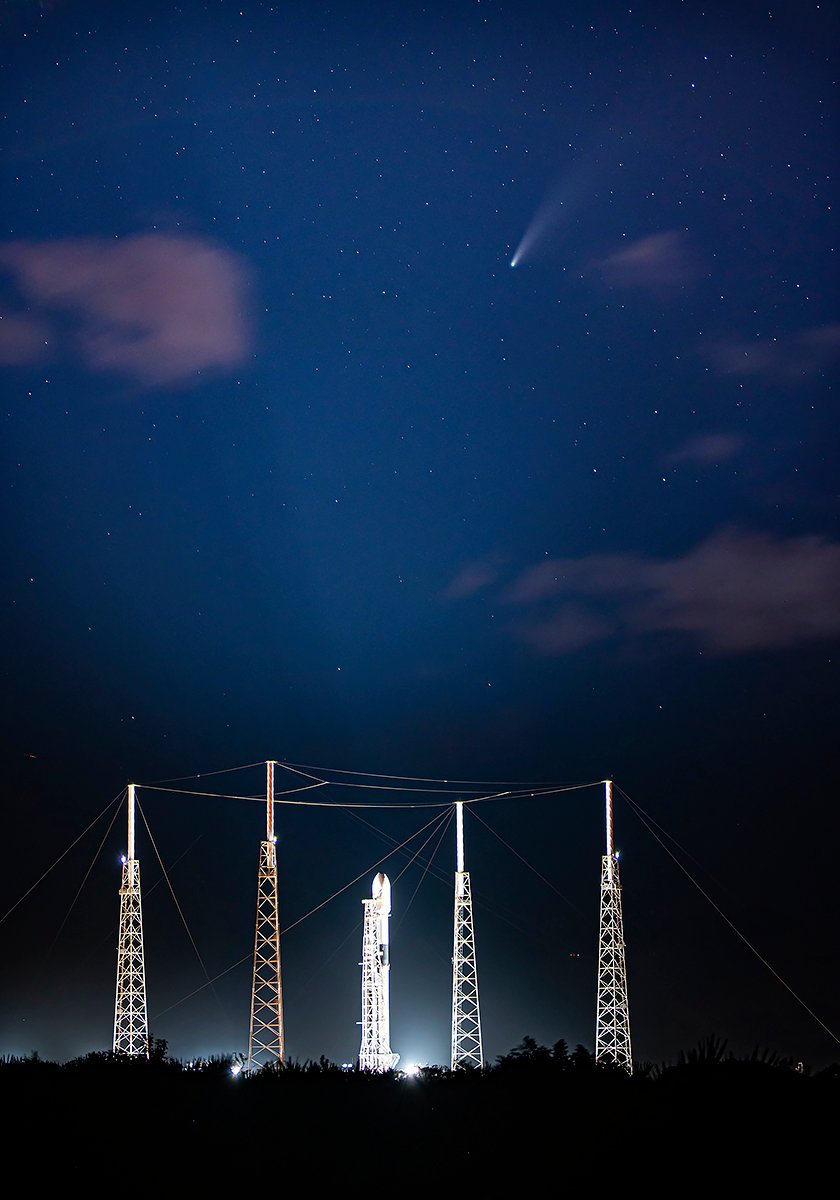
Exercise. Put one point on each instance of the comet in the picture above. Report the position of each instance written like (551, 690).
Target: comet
(561, 204)
(547, 216)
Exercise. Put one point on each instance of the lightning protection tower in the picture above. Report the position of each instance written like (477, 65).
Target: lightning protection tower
(612, 1020)
(375, 1051)
(466, 1017)
(265, 1045)
(131, 1028)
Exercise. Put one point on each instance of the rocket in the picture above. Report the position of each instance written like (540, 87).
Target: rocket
(375, 1052)
(381, 893)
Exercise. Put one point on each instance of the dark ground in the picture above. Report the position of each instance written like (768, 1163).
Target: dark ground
(538, 1120)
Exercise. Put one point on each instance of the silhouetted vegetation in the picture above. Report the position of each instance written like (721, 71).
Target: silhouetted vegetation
(540, 1116)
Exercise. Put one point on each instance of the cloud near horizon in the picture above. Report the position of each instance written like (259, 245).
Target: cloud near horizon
(735, 592)
(155, 307)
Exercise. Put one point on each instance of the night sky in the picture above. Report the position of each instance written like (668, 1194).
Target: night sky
(297, 465)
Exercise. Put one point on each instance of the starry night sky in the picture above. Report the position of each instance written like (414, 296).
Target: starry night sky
(296, 465)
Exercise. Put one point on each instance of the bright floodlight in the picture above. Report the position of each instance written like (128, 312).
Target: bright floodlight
(412, 1069)
(235, 1068)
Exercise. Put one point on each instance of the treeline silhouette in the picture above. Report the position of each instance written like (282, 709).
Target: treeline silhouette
(537, 1119)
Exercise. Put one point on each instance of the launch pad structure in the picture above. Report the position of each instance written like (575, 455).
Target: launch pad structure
(266, 1046)
(131, 1024)
(466, 1048)
(612, 1017)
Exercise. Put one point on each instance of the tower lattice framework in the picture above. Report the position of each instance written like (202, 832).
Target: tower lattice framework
(266, 1043)
(131, 1026)
(612, 1021)
(466, 1048)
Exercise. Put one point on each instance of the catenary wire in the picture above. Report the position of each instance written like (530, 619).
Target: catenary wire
(177, 905)
(413, 778)
(447, 822)
(646, 821)
(529, 794)
(300, 920)
(82, 884)
(527, 864)
(41, 878)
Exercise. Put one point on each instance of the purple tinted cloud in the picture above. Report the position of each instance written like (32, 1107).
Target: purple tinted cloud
(155, 307)
(736, 591)
(569, 628)
(707, 449)
(660, 261)
(23, 339)
(781, 360)
(472, 578)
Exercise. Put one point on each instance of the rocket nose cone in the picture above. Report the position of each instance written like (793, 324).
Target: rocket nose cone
(381, 892)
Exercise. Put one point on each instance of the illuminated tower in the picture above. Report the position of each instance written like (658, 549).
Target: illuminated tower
(466, 1018)
(265, 1046)
(131, 1027)
(612, 1020)
(375, 1051)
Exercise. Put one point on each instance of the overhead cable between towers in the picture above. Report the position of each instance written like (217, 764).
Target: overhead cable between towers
(455, 783)
(301, 768)
(283, 797)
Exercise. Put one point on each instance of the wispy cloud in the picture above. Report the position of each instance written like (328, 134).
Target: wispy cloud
(155, 307)
(781, 360)
(568, 628)
(707, 449)
(736, 591)
(23, 338)
(661, 261)
(472, 578)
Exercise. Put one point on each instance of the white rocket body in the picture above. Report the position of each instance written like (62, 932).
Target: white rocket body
(375, 1052)
(381, 892)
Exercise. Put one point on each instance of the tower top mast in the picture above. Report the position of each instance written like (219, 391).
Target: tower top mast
(130, 854)
(608, 824)
(459, 815)
(269, 802)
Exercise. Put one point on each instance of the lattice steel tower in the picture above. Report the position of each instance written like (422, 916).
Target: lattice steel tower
(131, 1026)
(375, 1051)
(612, 1020)
(265, 1045)
(466, 1016)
